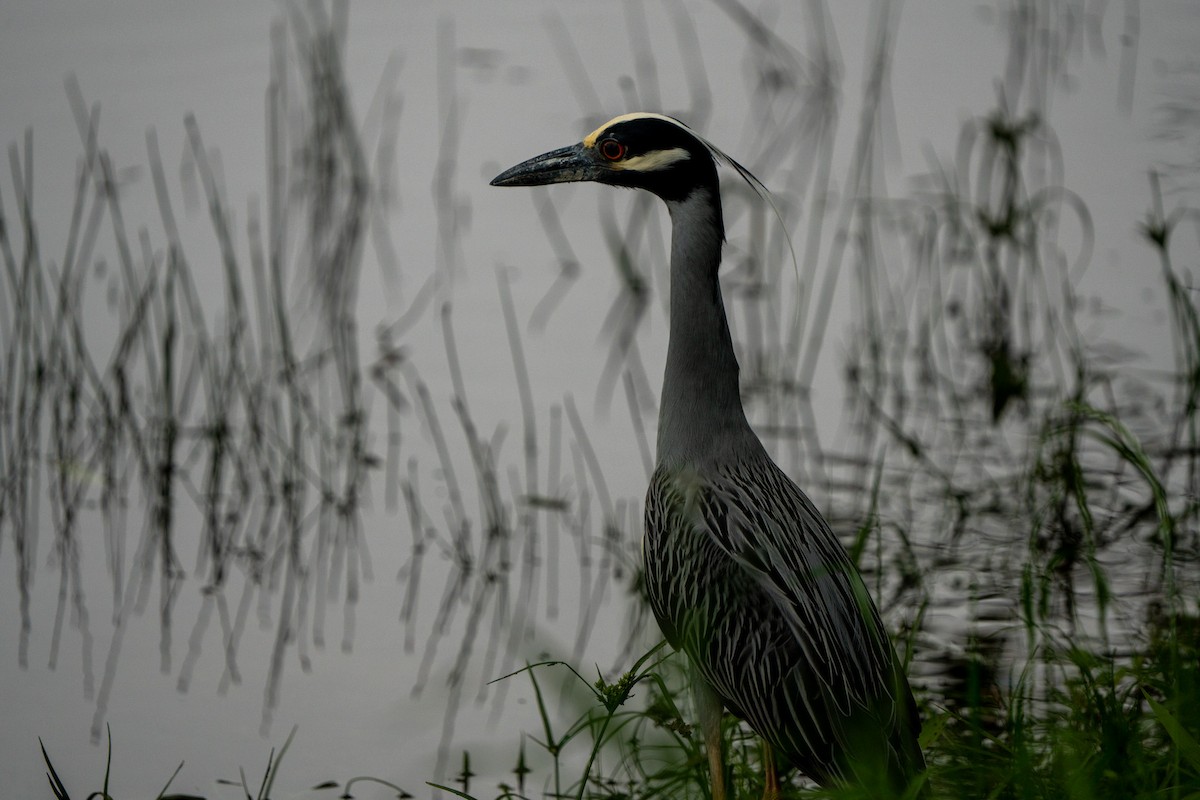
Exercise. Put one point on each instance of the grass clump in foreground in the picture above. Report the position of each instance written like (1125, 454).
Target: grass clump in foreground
(1102, 730)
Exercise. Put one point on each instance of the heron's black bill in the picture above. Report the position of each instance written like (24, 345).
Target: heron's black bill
(565, 165)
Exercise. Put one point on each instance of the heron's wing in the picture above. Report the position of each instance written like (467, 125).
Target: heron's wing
(847, 683)
(757, 515)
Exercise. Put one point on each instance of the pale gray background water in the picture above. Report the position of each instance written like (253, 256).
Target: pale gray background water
(148, 64)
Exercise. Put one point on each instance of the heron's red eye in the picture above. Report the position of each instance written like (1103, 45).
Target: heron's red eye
(612, 149)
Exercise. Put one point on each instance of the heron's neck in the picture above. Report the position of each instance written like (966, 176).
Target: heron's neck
(701, 408)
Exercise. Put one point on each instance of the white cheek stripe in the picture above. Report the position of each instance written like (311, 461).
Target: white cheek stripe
(654, 160)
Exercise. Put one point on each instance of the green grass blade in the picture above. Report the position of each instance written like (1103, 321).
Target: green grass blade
(1189, 748)
(454, 792)
(56, 784)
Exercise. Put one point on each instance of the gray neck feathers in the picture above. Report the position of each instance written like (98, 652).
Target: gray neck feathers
(701, 415)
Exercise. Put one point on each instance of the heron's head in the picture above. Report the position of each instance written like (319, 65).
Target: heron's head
(641, 151)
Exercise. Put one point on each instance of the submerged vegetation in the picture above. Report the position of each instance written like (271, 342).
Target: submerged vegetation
(1023, 499)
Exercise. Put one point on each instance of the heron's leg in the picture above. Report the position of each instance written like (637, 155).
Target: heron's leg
(709, 708)
(771, 790)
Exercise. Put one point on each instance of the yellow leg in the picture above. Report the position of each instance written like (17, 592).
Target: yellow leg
(716, 764)
(771, 790)
(709, 709)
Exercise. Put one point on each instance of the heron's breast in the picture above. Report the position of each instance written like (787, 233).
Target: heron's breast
(693, 585)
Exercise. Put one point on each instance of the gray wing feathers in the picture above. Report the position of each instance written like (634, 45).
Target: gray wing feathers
(768, 526)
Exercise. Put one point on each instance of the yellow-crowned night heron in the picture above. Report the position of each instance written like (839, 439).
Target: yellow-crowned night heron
(743, 573)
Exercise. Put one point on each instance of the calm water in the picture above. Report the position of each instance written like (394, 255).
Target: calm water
(148, 64)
